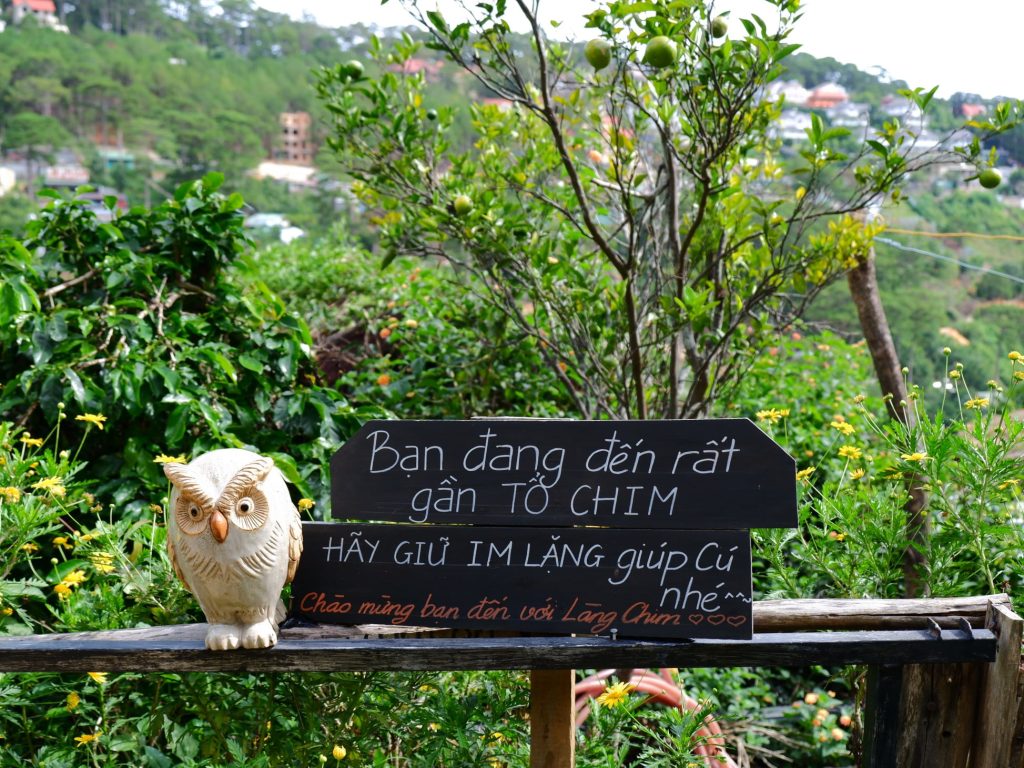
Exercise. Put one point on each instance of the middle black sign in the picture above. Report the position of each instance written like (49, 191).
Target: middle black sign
(708, 474)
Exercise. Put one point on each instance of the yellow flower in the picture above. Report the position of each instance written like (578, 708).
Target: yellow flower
(102, 562)
(411, 323)
(163, 458)
(1016, 356)
(339, 752)
(850, 452)
(73, 700)
(1013, 482)
(800, 193)
(859, 399)
(51, 484)
(1018, 375)
(61, 541)
(383, 380)
(857, 474)
(843, 426)
(977, 402)
(32, 442)
(803, 474)
(772, 415)
(99, 677)
(92, 418)
(913, 456)
(305, 504)
(497, 737)
(10, 493)
(62, 590)
(85, 738)
(74, 578)
(30, 547)
(954, 374)
(7, 610)
(435, 727)
(614, 695)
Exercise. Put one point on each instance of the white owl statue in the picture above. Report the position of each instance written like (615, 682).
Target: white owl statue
(234, 539)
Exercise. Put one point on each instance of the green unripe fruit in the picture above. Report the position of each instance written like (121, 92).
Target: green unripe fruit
(354, 69)
(431, 114)
(990, 178)
(661, 52)
(462, 205)
(719, 26)
(598, 52)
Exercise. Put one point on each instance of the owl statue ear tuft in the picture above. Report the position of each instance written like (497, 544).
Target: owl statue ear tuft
(183, 478)
(244, 479)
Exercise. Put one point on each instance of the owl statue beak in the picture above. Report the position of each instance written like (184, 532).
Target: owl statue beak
(218, 526)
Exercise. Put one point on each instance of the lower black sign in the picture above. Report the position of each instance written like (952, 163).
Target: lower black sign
(637, 583)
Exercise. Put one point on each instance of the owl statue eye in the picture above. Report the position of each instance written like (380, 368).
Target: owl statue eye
(252, 510)
(190, 516)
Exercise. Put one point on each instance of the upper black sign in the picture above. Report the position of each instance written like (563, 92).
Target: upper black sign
(709, 474)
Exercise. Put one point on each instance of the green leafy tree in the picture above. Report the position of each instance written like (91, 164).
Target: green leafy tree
(37, 136)
(638, 222)
(142, 320)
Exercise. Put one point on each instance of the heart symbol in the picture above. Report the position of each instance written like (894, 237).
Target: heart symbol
(737, 620)
(716, 618)
(696, 618)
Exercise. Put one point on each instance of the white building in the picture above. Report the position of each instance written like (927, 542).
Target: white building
(43, 11)
(791, 91)
(793, 125)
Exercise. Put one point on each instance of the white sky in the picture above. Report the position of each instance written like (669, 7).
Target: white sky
(960, 45)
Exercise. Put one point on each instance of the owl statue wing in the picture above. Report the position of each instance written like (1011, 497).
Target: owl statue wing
(174, 563)
(294, 545)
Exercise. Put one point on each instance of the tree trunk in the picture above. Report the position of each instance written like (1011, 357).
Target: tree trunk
(863, 282)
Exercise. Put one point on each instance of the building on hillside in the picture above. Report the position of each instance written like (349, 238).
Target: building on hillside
(901, 107)
(43, 11)
(8, 178)
(296, 142)
(827, 95)
(431, 69)
(791, 91)
(792, 125)
(971, 111)
(850, 114)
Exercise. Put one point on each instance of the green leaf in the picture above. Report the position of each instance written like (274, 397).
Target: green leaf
(223, 363)
(77, 387)
(212, 181)
(177, 423)
(250, 363)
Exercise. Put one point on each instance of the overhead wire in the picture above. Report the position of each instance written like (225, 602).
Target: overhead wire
(986, 270)
(943, 235)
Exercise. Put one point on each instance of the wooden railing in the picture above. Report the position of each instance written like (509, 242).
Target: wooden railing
(943, 674)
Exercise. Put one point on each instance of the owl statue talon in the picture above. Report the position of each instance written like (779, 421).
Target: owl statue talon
(222, 637)
(260, 635)
(234, 539)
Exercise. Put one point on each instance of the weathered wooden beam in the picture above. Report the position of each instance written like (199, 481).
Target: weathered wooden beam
(345, 649)
(806, 615)
(552, 721)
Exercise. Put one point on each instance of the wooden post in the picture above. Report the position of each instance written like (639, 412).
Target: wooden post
(552, 718)
(999, 702)
(937, 715)
(882, 715)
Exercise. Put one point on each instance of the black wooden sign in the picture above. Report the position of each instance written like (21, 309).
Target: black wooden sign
(676, 584)
(701, 474)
